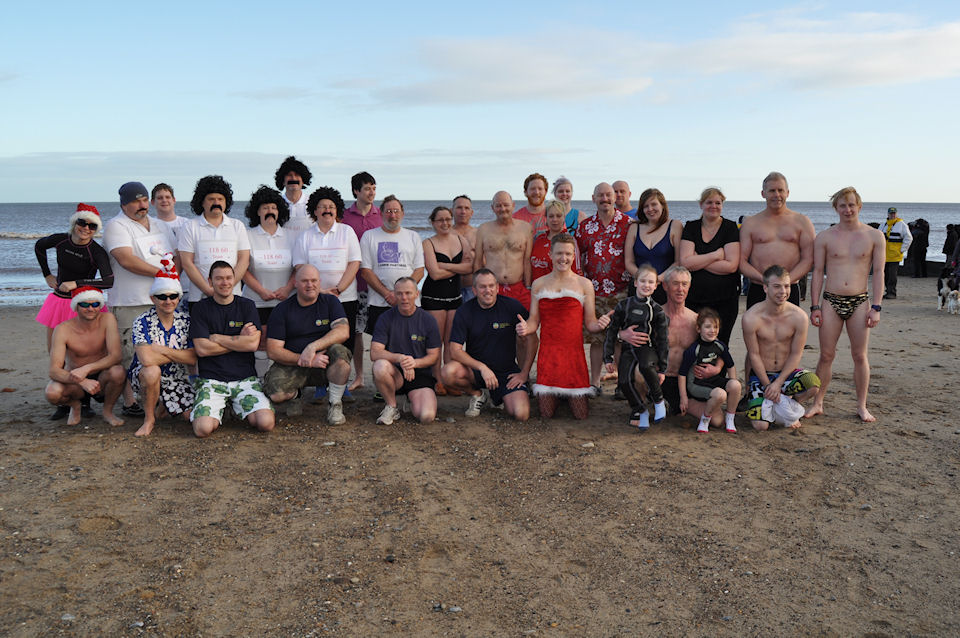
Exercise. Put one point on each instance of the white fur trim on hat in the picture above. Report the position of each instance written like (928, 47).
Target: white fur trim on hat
(87, 213)
(86, 293)
(166, 279)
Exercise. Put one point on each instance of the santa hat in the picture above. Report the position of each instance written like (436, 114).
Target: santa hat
(166, 280)
(86, 293)
(87, 213)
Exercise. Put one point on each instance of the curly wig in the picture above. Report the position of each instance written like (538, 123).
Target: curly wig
(207, 185)
(324, 192)
(266, 195)
(295, 165)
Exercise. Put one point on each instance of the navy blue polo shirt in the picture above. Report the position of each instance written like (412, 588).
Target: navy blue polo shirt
(298, 326)
(489, 335)
(209, 318)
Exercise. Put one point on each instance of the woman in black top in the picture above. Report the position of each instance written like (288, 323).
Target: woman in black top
(79, 259)
(710, 250)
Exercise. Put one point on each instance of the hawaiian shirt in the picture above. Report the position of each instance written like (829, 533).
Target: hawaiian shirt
(601, 253)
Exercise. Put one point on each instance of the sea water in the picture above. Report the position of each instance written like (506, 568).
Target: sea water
(22, 224)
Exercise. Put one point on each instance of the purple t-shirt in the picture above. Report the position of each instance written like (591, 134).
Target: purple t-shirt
(361, 224)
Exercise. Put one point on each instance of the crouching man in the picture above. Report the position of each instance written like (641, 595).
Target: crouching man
(225, 329)
(85, 357)
(305, 339)
(405, 345)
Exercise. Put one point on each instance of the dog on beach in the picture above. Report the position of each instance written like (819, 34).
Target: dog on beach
(947, 285)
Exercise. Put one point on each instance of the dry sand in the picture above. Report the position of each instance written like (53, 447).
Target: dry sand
(485, 527)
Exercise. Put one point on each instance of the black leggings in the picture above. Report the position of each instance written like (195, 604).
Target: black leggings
(645, 358)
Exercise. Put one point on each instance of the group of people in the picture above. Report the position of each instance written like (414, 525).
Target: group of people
(466, 311)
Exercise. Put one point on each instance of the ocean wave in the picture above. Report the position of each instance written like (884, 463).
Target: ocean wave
(11, 235)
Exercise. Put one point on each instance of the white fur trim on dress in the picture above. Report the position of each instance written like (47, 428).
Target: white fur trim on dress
(561, 392)
(559, 294)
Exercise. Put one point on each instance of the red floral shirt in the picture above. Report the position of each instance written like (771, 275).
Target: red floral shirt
(601, 253)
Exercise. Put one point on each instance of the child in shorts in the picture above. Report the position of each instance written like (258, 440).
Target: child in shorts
(715, 390)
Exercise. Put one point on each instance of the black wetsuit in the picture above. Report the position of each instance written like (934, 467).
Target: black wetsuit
(645, 315)
(75, 263)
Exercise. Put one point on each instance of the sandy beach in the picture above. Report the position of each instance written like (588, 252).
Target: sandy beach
(486, 527)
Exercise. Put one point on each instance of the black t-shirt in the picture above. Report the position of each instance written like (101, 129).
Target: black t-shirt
(298, 326)
(490, 334)
(706, 286)
(208, 318)
(412, 335)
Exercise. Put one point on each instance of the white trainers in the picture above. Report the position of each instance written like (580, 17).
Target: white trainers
(476, 404)
(335, 414)
(388, 415)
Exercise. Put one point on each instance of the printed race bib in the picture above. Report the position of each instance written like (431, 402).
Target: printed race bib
(331, 262)
(209, 251)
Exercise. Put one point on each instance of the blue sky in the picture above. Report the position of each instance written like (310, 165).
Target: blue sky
(436, 99)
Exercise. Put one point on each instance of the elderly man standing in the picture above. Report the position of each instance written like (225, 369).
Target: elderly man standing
(504, 245)
(305, 339)
(404, 348)
(135, 242)
(161, 337)
(600, 240)
(212, 237)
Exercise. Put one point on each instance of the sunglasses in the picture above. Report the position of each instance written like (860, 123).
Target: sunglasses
(171, 296)
(82, 223)
(88, 304)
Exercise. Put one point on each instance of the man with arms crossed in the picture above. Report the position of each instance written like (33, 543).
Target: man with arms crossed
(404, 347)
(462, 214)
(846, 251)
(85, 357)
(305, 338)
(225, 329)
(503, 246)
(774, 332)
(483, 344)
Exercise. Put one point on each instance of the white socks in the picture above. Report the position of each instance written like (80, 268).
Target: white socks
(335, 392)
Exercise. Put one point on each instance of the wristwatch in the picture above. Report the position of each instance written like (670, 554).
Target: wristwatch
(876, 307)
(814, 307)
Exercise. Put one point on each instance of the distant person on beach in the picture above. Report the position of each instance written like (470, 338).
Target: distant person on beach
(291, 178)
(562, 308)
(563, 191)
(225, 329)
(136, 243)
(404, 348)
(535, 189)
(163, 350)
(950, 243)
(898, 237)
(775, 332)
(918, 247)
(622, 194)
(503, 246)
(212, 237)
(600, 241)
(305, 342)
(775, 235)
(79, 260)
(462, 214)
(362, 216)
(483, 346)
(85, 357)
(847, 251)
(387, 254)
(647, 361)
(446, 256)
(269, 278)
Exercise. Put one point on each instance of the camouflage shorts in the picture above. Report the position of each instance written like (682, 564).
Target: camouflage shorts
(246, 397)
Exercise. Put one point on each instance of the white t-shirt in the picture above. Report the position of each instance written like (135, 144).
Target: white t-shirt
(175, 225)
(270, 262)
(330, 252)
(210, 243)
(130, 289)
(390, 256)
(299, 219)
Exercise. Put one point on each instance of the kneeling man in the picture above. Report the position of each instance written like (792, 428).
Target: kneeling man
(483, 345)
(162, 352)
(225, 329)
(405, 345)
(774, 332)
(305, 339)
(85, 357)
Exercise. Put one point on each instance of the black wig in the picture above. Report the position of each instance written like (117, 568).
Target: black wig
(266, 195)
(207, 185)
(295, 165)
(324, 192)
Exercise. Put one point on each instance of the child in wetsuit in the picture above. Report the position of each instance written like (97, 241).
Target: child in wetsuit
(643, 314)
(713, 391)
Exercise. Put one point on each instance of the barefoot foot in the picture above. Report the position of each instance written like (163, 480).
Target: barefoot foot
(75, 414)
(145, 429)
(865, 416)
(111, 419)
(356, 385)
(794, 426)
(813, 410)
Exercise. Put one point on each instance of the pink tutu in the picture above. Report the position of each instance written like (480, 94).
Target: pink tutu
(56, 310)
